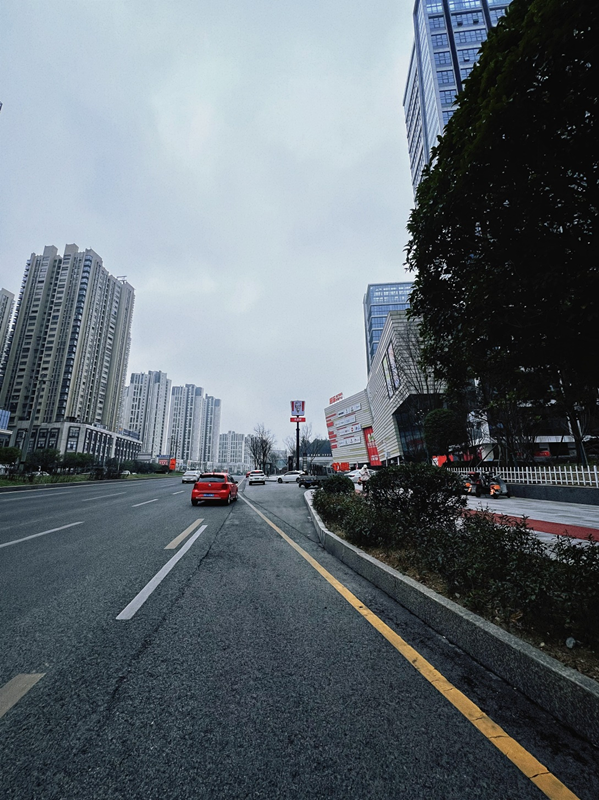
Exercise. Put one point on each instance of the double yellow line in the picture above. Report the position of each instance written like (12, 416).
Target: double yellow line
(518, 755)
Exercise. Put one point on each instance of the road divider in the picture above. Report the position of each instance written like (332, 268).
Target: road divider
(16, 688)
(178, 539)
(538, 774)
(130, 610)
(43, 533)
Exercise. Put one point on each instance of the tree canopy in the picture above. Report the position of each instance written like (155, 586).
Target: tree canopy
(503, 238)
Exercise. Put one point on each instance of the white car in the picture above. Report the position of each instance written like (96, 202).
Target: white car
(292, 476)
(190, 476)
(359, 475)
(256, 476)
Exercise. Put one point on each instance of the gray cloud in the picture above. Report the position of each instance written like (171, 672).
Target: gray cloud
(244, 164)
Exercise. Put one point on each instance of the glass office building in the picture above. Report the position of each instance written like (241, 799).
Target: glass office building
(379, 300)
(447, 39)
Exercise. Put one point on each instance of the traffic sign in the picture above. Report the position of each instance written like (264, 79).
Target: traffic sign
(297, 419)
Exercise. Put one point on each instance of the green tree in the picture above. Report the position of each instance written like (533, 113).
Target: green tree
(503, 238)
(46, 460)
(443, 428)
(9, 456)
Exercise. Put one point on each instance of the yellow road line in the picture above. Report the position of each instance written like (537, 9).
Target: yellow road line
(15, 689)
(178, 539)
(518, 755)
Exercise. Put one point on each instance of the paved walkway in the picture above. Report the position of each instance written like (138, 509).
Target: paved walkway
(548, 519)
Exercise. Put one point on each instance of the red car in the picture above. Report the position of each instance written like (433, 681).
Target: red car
(214, 486)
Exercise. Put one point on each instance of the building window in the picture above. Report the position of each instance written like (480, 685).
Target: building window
(447, 97)
(447, 115)
(467, 55)
(458, 20)
(466, 37)
(442, 59)
(496, 15)
(445, 76)
(440, 40)
(465, 71)
(436, 23)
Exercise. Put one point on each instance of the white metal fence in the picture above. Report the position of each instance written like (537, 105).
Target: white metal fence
(565, 475)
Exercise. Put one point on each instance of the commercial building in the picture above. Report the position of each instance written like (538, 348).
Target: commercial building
(379, 300)
(146, 410)
(67, 353)
(349, 424)
(447, 38)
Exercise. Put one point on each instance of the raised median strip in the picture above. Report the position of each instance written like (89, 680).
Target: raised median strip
(566, 694)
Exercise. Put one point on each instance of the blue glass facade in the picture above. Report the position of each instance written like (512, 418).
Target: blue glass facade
(447, 39)
(379, 300)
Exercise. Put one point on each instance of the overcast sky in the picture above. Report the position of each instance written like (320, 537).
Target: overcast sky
(243, 162)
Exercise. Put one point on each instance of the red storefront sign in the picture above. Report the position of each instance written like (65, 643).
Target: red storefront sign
(373, 453)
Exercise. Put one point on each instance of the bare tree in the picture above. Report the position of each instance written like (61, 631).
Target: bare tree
(261, 443)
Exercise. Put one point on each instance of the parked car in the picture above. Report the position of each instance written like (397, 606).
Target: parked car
(256, 476)
(292, 476)
(214, 486)
(190, 476)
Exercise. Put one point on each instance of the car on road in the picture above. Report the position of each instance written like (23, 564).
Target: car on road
(190, 476)
(217, 486)
(256, 476)
(292, 476)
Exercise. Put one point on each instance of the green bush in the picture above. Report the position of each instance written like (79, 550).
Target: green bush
(338, 484)
(422, 496)
(333, 508)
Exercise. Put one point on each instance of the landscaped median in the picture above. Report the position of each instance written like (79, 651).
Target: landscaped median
(411, 516)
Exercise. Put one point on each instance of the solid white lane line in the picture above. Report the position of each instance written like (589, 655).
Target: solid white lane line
(102, 496)
(11, 692)
(181, 492)
(43, 533)
(33, 494)
(141, 598)
(137, 505)
(177, 540)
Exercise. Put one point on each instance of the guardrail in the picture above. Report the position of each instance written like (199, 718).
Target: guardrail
(565, 475)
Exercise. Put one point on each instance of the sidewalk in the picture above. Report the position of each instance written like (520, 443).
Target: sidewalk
(548, 519)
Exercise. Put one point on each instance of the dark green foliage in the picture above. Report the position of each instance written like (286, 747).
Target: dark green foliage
(338, 484)
(362, 524)
(46, 460)
(442, 429)
(419, 494)
(504, 234)
(9, 455)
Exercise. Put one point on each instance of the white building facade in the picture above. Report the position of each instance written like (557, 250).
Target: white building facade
(146, 410)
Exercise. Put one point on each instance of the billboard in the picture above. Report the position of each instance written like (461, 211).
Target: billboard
(298, 408)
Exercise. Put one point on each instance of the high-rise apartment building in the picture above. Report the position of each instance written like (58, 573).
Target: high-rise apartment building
(232, 451)
(67, 353)
(146, 409)
(69, 346)
(186, 423)
(447, 39)
(379, 300)
(210, 430)
(7, 301)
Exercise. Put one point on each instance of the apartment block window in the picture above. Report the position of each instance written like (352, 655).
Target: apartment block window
(466, 37)
(456, 5)
(458, 20)
(445, 76)
(436, 23)
(447, 97)
(447, 115)
(434, 7)
(496, 15)
(443, 59)
(440, 40)
(465, 72)
(467, 55)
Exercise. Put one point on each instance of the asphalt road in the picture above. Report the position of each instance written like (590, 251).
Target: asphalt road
(243, 673)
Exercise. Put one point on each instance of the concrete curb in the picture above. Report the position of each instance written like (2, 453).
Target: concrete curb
(566, 694)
